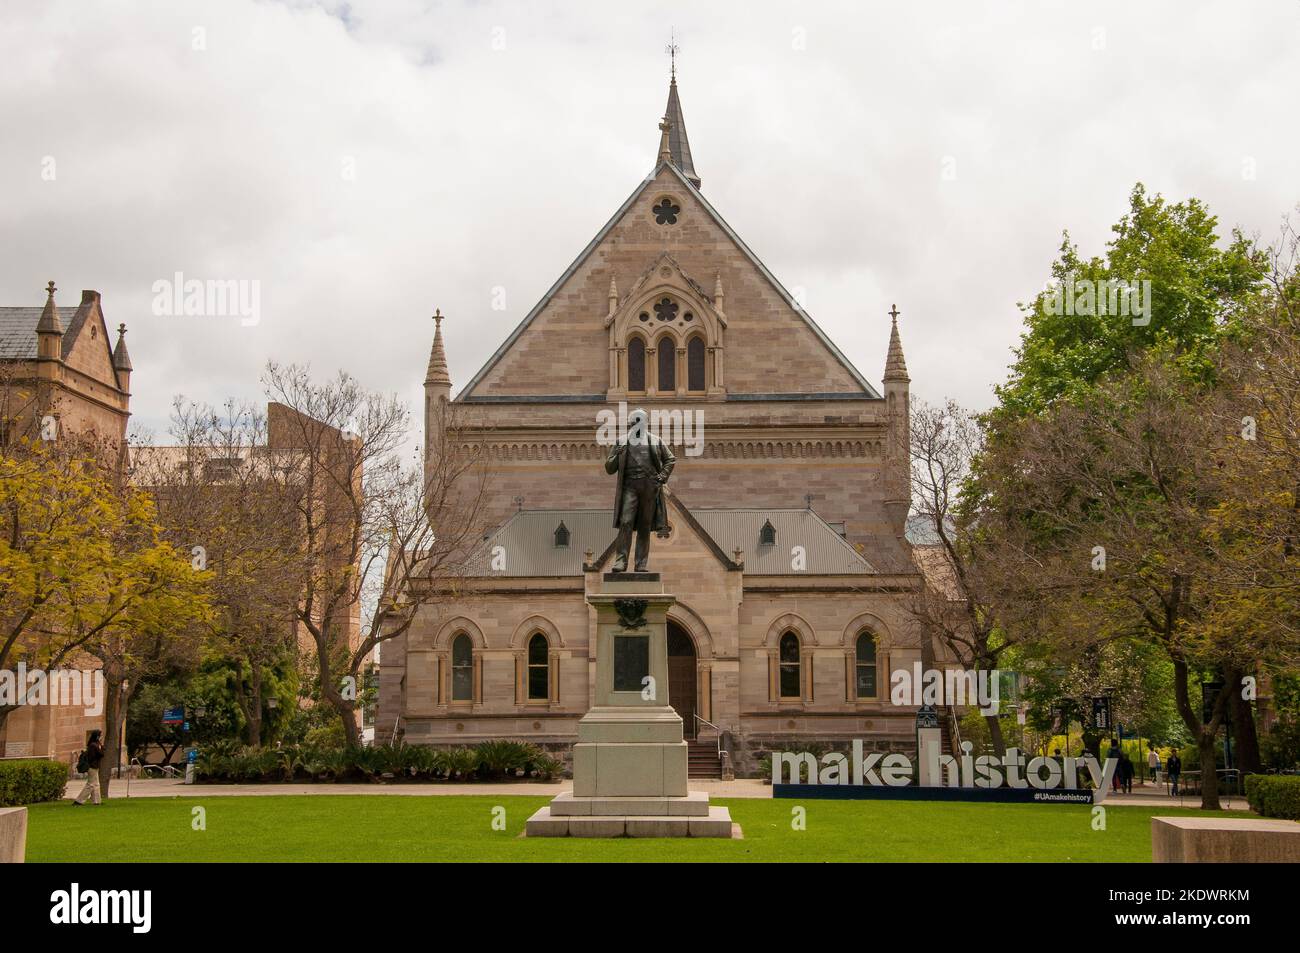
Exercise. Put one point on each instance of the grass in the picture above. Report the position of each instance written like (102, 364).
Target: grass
(459, 828)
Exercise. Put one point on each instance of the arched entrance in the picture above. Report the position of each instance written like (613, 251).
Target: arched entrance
(681, 676)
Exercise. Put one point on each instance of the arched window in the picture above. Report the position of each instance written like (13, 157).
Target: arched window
(462, 669)
(636, 364)
(866, 665)
(539, 668)
(667, 365)
(695, 364)
(789, 677)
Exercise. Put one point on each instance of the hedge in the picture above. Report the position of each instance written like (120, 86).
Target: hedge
(488, 761)
(31, 780)
(1274, 795)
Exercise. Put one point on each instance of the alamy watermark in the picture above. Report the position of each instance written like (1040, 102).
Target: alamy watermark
(920, 686)
(73, 688)
(211, 298)
(675, 427)
(1114, 296)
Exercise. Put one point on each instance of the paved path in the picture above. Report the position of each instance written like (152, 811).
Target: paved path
(1142, 796)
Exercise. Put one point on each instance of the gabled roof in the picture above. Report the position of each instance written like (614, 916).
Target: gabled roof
(869, 390)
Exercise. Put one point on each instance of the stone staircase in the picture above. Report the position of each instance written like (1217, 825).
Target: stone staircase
(702, 759)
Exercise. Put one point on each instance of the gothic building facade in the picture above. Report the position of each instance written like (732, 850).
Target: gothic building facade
(786, 548)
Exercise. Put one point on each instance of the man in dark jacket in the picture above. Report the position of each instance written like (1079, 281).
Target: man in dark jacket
(94, 755)
(1173, 768)
(643, 463)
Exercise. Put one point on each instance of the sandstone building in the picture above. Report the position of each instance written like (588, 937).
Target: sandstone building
(60, 375)
(787, 547)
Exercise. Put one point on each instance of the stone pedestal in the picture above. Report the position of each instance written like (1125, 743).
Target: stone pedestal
(13, 835)
(1224, 840)
(630, 761)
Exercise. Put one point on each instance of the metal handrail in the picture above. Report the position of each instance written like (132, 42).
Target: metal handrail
(700, 721)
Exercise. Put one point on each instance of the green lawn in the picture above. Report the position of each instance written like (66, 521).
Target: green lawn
(455, 828)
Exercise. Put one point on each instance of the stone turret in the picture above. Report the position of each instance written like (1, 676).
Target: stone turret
(122, 361)
(437, 395)
(49, 330)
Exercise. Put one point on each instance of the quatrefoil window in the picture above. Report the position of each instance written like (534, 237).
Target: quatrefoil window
(666, 309)
(666, 212)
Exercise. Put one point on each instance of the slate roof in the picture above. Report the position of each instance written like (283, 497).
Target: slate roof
(826, 551)
(18, 332)
(528, 541)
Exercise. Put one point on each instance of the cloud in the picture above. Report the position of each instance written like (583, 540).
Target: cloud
(367, 162)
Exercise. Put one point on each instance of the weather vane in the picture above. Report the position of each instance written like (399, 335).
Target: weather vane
(672, 49)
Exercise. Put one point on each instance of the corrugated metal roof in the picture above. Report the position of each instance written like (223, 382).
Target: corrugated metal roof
(826, 552)
(528, 541)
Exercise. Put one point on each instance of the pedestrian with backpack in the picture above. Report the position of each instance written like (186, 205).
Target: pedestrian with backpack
(89, 763)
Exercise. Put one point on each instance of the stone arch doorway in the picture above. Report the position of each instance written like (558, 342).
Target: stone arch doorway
(682, 689)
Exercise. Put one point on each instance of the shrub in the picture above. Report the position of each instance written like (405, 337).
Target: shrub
(30, 781)
(1274, 795)
(498, 759)
(546, 768)
(460, 763)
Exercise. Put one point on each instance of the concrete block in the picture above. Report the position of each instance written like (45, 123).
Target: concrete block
(662, 826)
(696, 804)
(1224, 840)
(717, 824)
(543, 824)
(13, 835)
(597, 826)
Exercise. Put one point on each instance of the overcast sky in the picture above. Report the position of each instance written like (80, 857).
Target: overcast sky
(367, 162)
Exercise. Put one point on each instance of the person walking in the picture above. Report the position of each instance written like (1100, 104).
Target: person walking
(1173, 768)
(1153, 765)
(1126, 772)
(91, 757)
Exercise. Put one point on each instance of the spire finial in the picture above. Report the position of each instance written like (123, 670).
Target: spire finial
(672, 50)
(50, 289)
(121, 329)
(438, 372)
(895, 366)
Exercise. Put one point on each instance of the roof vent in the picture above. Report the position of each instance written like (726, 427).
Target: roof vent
(767, 535)
(561, 536)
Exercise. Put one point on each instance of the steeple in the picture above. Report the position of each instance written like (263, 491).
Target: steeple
(895, 366)
(674, 137)
(49, 329)
(438, 372)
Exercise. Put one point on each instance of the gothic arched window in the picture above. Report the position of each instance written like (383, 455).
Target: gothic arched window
(789, 659)
(462, 669)
(636, 365)
(539, 668)
(667, 365)
(866, 665)
(695, 364)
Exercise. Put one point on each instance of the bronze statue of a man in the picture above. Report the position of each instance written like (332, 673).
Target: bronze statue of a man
(643, 463)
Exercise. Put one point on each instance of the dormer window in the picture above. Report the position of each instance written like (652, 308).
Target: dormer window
(767, 535)
(561, 536)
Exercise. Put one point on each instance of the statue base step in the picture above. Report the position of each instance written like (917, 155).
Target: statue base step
(546, 823)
